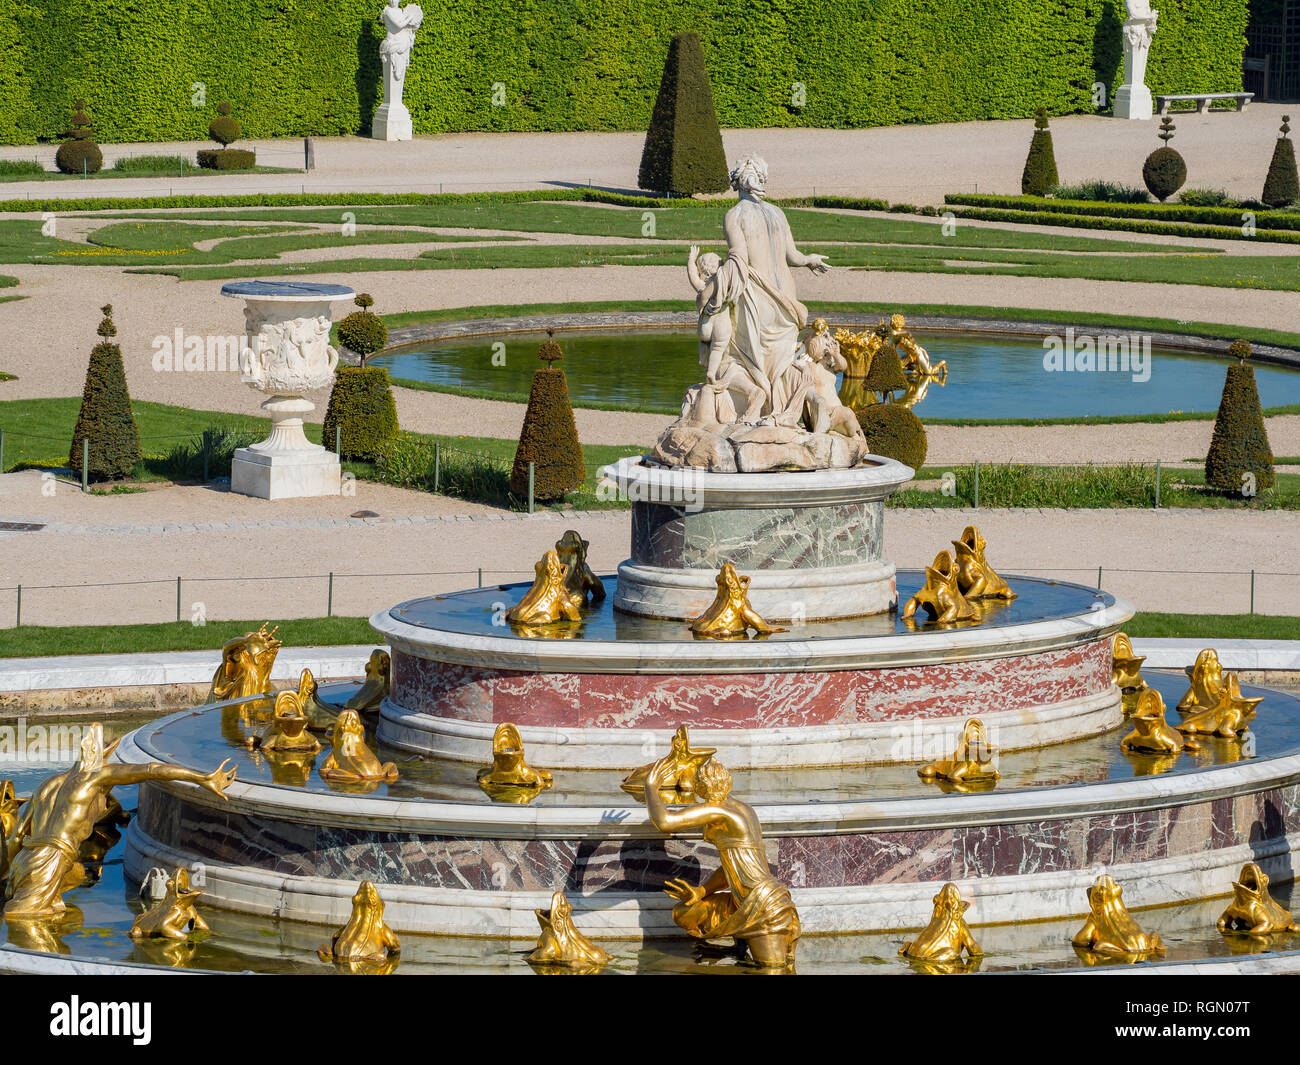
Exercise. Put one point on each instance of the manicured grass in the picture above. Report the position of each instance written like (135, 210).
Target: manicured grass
(40, 640)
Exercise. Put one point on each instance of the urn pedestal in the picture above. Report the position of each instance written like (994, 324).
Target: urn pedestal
(286, 353)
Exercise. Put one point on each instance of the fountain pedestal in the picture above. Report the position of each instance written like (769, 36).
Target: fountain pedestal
(286, 353)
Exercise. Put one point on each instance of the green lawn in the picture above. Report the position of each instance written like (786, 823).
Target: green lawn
(34, 641)
(191, 170)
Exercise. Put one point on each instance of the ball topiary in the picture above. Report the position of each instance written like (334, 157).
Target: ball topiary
(1240, 460)
(223, 129)
(105, 418)
(1040, 177)
(361, 331)
(361, 413)
(549, 438)
(683, 151)
(79, 154)
(1282, 186)
(1165, 171)
(895, 432)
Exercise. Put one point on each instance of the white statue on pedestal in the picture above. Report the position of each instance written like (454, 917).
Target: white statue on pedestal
(392, 120)
(1133, 98)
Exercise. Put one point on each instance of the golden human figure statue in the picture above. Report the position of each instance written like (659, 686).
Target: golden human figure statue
(742, 900)
(1206, 676)
(62, 814)
(1152, 734)
(175, 915)
(1254, 912)
(679, 783)
(940, 596)
(365, 937)
(1110, 929)
(510, 778)
(350, 760)
(1228, 717)
(288, 730)
(549, 599)
(947, 934)
(374, 691)
(10, 806)
(580, 579)
(321, 716)
(976, 579)
(729, 616)
(246, 663)
(560, 942)
(970, 764)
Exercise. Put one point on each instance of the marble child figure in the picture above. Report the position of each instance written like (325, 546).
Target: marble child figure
(722, 372)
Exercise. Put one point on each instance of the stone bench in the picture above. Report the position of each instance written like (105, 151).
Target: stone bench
(1202, 99)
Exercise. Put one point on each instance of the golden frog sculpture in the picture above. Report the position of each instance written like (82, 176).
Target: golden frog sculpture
(560, 942)
(288, 730)
(741, 900)
(1254, 912)
(579, 579)
(175, 916)
(549, 599)
(1152, 734)
(321, 716)
(246, 663)
(510, 778)
(971, 763)
(940, 597)
(350, 759)
(1110, 929)
(679, 779)
(1206, 676)
(1125, 666)
(374, 690)
(366, 938)
(976, 579)
(729, 616)
(1228, 717)
(947, 934)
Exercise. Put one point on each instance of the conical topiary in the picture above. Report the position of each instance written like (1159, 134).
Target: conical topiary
(361, 414)
(1040, 177)
(885, 374)
(683, 147)
(1165, 171)
(79, 154)
(1282, 186)
(105, 418)
(1240, 460)
(549, 438)
(223, 129)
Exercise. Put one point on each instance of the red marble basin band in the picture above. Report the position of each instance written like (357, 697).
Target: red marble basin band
(751, 700)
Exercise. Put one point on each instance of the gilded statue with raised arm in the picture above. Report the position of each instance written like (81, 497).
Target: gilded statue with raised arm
(742, 900)
(62, 813)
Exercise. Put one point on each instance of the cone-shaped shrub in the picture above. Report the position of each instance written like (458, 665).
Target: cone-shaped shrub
(1282, 186)
(1165, 171)
(549, 438)
(361, 407)
(885, 374)
(105, 418)
(1240, 460)
(1039, 177)
(79, 154)
(895, 432)
(683, 147)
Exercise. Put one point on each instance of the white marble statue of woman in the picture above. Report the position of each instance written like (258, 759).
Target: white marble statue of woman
(392, 119)
(756, 281)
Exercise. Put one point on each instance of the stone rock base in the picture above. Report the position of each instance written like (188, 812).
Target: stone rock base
(756, 449)
(392, 122)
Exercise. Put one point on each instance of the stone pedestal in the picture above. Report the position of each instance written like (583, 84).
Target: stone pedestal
(286, 353)
(392, 122)
(1133, 98)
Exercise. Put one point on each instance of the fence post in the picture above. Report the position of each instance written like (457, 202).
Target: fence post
(178, 599)
(532, 473)
(207, 454)
(480, 576)
(2, 451)
(85, 464)
(1252, 591)
(1099, 577)
(18, 617)
(437, 467)
(329, 601)
(977, 486)
(1157, 484)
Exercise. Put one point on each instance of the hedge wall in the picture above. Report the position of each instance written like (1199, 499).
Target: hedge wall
(294, 67)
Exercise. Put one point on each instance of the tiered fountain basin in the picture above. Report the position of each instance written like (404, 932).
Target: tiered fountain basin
(863, 848)
(845, 692)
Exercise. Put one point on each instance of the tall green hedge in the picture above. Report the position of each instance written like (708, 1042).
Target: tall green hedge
(295, 67)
